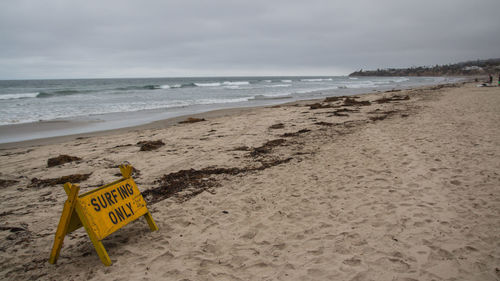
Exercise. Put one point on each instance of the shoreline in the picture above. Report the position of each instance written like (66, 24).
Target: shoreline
(397, 185)
(51, 125)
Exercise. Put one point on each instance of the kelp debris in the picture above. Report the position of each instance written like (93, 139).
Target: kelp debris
(192, 120)
(322, 123)
(150, 145)
(353, 102)
(196, 181)
(75, 178)
(7, 183)
(294, 134)
(277, 126)
(61, 159)
(334, 99)
(391, 99)
(320, 106)
(266, 147)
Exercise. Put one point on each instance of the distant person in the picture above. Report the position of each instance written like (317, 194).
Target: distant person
(491, 79)
(498, 80)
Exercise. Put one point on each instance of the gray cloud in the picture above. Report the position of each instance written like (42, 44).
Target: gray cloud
(64, 39)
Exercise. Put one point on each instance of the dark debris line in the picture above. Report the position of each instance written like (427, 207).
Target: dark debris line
(197, 181)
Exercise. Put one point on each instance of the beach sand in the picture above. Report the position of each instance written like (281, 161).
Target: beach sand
(398, 189)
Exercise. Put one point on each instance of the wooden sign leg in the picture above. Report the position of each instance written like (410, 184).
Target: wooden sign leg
(62, 228)
(101, 251)
(151, 222)
(99, 247)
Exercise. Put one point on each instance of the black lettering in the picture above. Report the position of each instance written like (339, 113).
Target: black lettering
(93, 201)
(125, 212)
(113, 193)
(124, 191)
(130, 189)
(119, 213)
(103, 202)
(120, 192)
(113, 218)
(108, 197)
(129, 205)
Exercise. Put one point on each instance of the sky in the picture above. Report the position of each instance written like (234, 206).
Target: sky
(50, 39)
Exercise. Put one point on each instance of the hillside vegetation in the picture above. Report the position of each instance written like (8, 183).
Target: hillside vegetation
(477, 67)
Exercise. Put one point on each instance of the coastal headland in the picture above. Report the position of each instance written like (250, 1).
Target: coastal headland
(399, 185)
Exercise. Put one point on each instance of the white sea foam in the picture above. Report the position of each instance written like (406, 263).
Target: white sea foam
(214, 101)
(364, 84)
(214, 84)
(400, 79)
(18, 96)
(270, 97)
(145, 95)
(316, 79)
(235, 83)
(277, 86)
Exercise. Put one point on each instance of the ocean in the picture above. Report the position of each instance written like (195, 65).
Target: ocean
(117, 103)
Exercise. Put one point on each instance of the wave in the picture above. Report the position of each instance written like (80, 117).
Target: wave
(58, 93)
(316, 79)
(236, 83)
(270, 97)
(214, 84)
(277, 86)
(399, 80)
(286, 81)
(186, 85)
(153, 87)
(18, 96)
(365, 84)
(40, 94)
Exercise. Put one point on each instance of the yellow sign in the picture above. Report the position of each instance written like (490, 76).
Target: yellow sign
(101, 212)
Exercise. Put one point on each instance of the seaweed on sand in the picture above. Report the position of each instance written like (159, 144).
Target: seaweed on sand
(61, 159)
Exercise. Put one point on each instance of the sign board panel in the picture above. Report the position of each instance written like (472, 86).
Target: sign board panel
(101, 212)
(111, 208)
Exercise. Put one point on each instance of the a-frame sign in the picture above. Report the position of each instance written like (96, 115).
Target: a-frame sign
(101, 212)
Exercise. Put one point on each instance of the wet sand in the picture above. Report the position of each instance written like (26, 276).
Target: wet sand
(394, 186)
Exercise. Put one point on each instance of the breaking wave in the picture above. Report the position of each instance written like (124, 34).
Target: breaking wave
(277, 86)
(18, 96)
(58, 93)
(226, 83)
(236, 83)
(270, 97)
(401, 79)
(316, 79)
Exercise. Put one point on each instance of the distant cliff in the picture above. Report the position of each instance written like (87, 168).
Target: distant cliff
(478, 67)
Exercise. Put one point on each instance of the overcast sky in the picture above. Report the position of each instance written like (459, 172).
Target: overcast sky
(132, 38)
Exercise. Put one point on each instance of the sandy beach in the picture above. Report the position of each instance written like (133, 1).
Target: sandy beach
(400, 185)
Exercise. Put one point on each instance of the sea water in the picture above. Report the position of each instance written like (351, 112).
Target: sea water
(115, 103)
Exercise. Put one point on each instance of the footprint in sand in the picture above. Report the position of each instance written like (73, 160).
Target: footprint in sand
(393, 264)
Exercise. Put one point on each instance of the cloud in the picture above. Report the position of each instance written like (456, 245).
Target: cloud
(63, 39)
